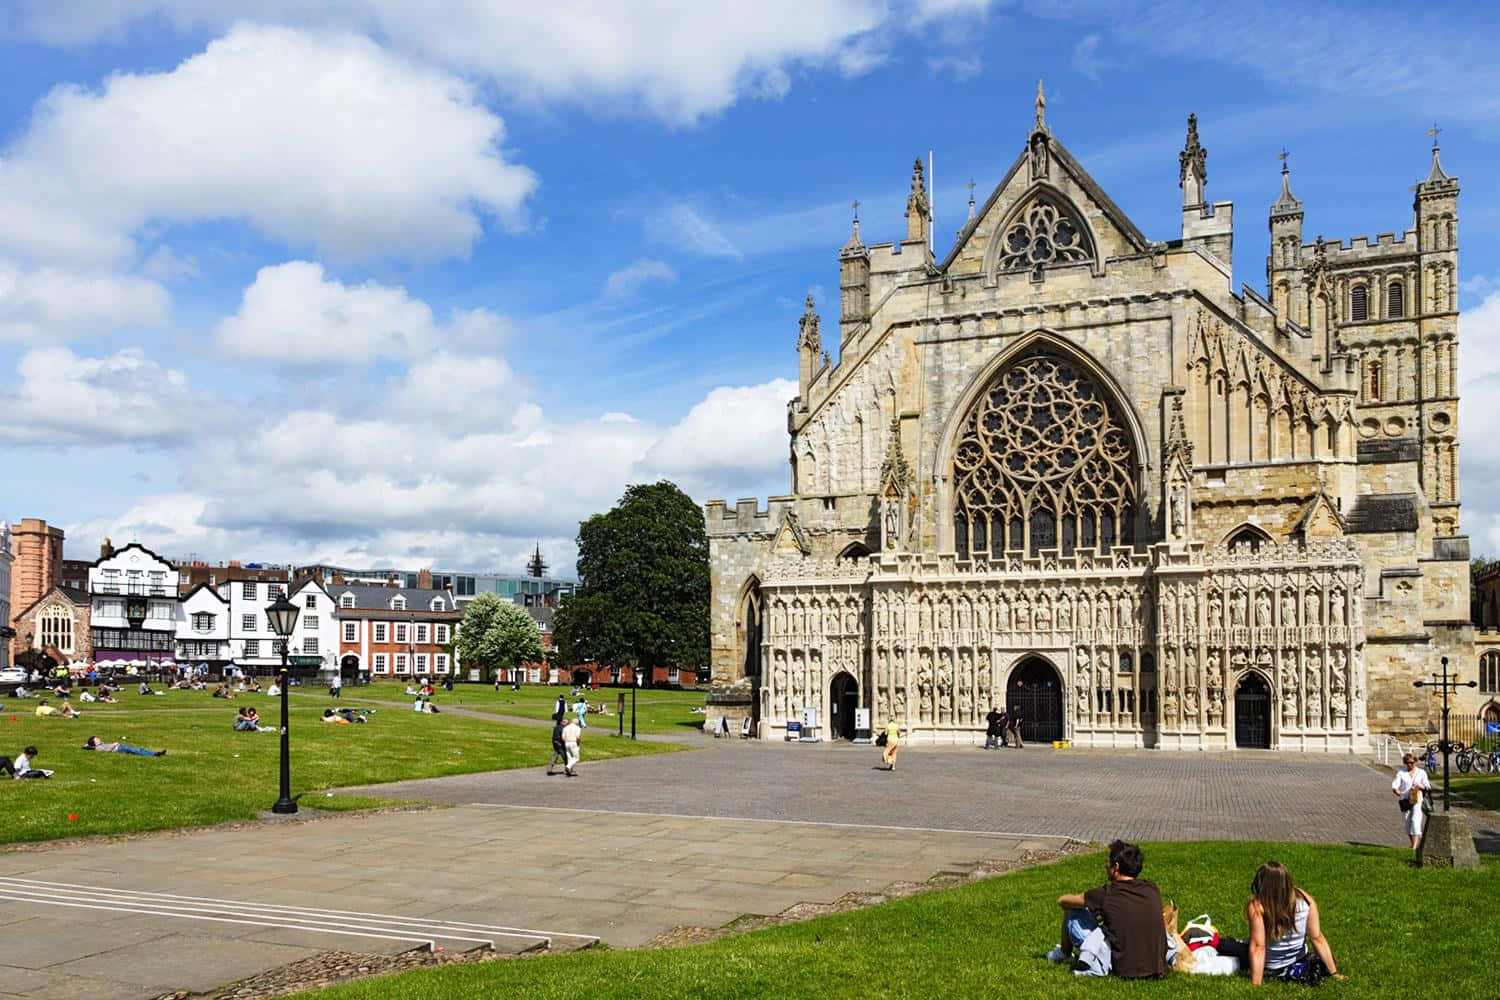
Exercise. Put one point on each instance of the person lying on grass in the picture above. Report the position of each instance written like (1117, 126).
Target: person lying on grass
(22, 767)
(1284, 922)
(354, 714)
(1117, 928)
(146, 689)
(94, 744)
(222, 691)
(63, 711)
(330, 716)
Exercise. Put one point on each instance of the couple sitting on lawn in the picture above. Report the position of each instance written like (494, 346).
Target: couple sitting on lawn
(1118, 928)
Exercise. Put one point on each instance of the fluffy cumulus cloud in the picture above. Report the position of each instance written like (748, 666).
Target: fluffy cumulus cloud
(295, 314)
(53, 304)
(1479, 446)
(323, 140)
(124, 398)
(732, 441)
(629, 279)
(675, 59)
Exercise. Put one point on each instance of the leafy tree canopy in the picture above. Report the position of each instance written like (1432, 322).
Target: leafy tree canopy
(643, 587)
(497, 635)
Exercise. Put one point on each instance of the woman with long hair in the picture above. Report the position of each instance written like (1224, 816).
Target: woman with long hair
(1284, 925)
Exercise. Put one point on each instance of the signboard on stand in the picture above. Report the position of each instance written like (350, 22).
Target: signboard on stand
(862, 725)
(809, 725)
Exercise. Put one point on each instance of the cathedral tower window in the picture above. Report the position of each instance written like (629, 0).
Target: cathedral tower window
(1248, 539)
(1395, 299)
(1044, 234)
(1372, 392)
(1043, 461)
(1359, 304)
(1489, 673)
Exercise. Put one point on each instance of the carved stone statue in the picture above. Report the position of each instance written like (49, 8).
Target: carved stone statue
(1288, 608)
(1238, 607)
(1101, 612)
(1313, 608)
(1169, 707)
(1314, 706)
(1023, 614)
(1002, 615)
(1169, 609)
(1263, 610)
(1215, 610)
(1083, 702)
(965, 706)
(1043, 614)
(778, 672)
(945, 614)
(1336, 608)
(1177, 501)
(1189, 610)
(924, 615)
(1215, 698)
(1339, 706)
(1127, 610)
(1169, 666)
(963, 614)
(1064, 615)
(1190, 704)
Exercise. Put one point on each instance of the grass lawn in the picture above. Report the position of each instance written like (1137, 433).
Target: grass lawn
(1396, 932)
(656, 711)
(212, 773)
(1481, 789)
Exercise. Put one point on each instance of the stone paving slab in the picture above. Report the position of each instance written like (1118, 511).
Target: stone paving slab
(644, 875)
(1092, 795)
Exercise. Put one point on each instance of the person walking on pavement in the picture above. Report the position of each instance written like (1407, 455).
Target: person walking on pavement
(336, 685)
(559, 749)
(1013, 728)
(571, 734)
(995, 730)
(892, 744)
(561, 709)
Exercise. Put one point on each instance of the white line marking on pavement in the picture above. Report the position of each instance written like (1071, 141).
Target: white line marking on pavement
(795, 822)
(379, 917)
(269, 914)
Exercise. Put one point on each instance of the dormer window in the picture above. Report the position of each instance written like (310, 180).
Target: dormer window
(398, 603)
(438, 604)
(346, 600)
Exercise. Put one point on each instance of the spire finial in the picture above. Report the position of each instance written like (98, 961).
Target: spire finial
(970, 186)
(854, 207)
(1436, 174)
(1041, 105)
(809, 302)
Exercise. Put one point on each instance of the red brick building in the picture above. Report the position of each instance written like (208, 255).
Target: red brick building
(395, 632)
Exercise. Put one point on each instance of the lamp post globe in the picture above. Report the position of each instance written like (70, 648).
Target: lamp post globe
(282, 615)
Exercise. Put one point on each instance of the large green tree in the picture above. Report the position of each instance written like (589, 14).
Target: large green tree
(497, 635)
(643, 584)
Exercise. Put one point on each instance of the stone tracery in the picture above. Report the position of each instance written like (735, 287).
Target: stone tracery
(1044, 461)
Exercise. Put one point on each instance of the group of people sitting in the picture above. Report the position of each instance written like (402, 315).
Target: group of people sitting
(104, 694)
(1122, 929)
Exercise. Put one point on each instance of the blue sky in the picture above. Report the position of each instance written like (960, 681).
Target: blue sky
(425, 284)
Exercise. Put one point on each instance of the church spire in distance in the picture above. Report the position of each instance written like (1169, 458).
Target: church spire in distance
(537, 566)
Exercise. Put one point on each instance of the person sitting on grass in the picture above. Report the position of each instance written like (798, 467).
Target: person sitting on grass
(274, 691)
(1117, 928)
(254, 686)
(94, 744)
(87, 697)
(21, 691)
(1283, 921)
(22, 767)
(146, 689)
(59, 691)
(106, 694)
(424, 705)
(63, 711)
(330, 716)
(222, 691)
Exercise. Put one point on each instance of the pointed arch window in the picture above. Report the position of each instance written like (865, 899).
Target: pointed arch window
(1248, 539)
(1044, 234)
(1044, 461)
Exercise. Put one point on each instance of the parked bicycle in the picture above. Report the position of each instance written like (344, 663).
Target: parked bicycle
(1482, 761)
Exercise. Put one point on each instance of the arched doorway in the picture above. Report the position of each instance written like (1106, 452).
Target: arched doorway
(349, 668)
(751, 632)
(1035, 691)
(1252, 713)
(843, 700)
(582, 677)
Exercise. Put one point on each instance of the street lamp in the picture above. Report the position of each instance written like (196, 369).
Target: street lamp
(283, 618)
(1445, 683)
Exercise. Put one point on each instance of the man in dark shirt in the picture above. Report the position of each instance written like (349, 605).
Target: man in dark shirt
(996, 723)
(1128, 909)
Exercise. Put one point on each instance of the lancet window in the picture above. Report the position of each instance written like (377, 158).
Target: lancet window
(1044, 461)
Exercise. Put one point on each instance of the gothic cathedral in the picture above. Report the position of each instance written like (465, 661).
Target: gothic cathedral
(1070, 471)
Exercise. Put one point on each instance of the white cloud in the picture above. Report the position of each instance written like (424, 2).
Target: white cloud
(321, 140)
(629, 280)
(52, 305)
(1479, 447)
(63, 398)
(1086, 59)
(679, 225)
(294, 314)
(733, 440)
(675, 59)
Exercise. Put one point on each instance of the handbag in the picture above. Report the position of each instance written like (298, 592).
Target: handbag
(1404, 804)
(883, 739)
(1308, 970)
(1200, 932)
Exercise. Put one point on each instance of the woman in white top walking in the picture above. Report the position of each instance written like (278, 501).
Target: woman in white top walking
(1409, 786)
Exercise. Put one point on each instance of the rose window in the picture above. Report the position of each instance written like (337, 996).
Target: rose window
(1043, 462)
(1042, 236)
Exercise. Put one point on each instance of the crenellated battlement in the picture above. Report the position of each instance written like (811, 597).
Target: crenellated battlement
(745, 517)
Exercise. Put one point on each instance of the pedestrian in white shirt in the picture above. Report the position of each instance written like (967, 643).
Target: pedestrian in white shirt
(1409, 786)
(571, 734)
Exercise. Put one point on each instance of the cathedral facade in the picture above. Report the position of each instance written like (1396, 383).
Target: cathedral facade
(1072, 471)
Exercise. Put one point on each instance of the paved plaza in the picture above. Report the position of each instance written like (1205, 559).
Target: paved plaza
(629, 850)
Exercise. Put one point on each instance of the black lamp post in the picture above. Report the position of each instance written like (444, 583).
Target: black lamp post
(1445, 684)
(283, 618)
